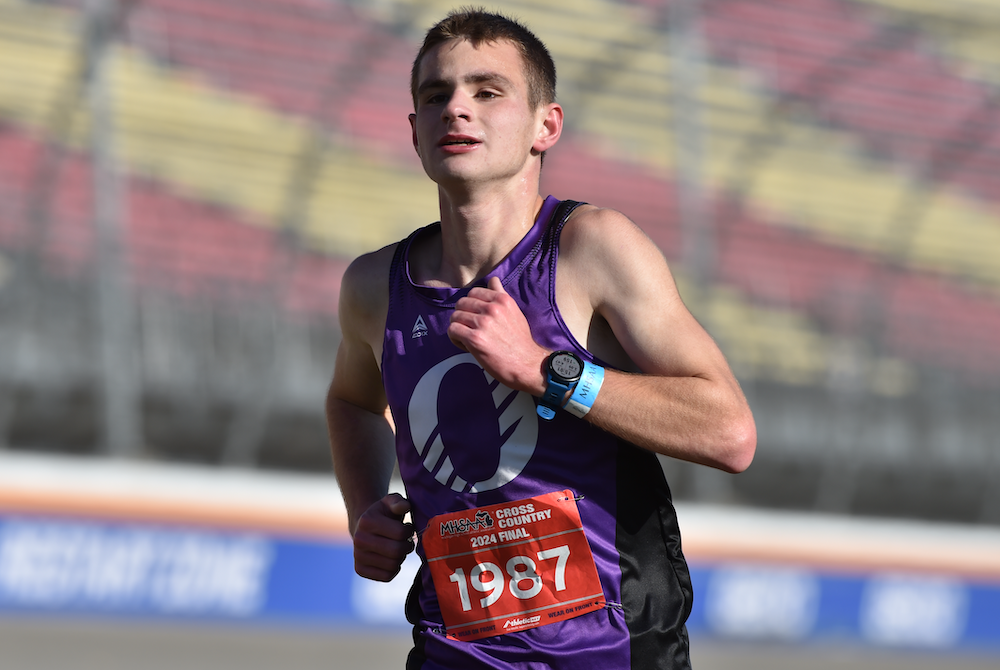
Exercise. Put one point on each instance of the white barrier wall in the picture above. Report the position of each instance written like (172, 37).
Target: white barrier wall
(86, 537)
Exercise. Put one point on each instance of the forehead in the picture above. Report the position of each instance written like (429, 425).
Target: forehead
(453, 60)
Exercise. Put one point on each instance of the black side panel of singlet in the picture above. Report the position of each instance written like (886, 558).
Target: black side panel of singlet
(415, 659)
(656, 583)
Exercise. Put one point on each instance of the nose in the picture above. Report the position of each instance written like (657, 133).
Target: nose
(457, 108)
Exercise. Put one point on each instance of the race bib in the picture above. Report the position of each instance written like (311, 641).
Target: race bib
(512, 566)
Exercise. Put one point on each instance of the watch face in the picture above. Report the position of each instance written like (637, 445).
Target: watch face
(566, 366)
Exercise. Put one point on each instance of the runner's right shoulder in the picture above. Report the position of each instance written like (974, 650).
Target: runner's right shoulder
(364, 291)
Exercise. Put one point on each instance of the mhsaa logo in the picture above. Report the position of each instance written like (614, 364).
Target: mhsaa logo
(482, 521)
(525, 621)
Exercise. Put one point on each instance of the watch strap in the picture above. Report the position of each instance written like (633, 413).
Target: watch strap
(552, 399)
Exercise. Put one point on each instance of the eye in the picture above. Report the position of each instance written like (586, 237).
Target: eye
(488, 95)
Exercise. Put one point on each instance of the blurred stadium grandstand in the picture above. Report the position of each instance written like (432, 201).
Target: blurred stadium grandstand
(182, 183)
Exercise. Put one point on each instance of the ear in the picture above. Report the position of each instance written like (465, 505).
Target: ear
(413, 131)
(551, 128)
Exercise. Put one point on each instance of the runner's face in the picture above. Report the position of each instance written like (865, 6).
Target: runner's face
(473, 122)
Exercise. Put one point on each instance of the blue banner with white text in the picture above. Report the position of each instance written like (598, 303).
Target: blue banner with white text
(89, 567)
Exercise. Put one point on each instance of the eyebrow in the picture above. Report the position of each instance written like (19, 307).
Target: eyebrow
(484, 77)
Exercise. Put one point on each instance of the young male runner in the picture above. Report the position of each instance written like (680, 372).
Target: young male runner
(534, 355)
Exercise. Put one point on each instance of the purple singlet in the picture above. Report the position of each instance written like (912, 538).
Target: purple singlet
(464, 441)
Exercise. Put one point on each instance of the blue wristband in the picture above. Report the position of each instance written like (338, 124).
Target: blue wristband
(586, 390)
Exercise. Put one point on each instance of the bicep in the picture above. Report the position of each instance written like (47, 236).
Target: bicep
(635, 292)
(357, 378)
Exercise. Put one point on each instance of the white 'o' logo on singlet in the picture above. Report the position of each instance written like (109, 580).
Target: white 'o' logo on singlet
(514, 452)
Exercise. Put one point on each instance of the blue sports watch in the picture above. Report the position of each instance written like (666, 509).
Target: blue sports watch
(563, 369)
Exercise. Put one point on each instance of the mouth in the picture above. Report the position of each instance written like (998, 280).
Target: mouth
(453, 141)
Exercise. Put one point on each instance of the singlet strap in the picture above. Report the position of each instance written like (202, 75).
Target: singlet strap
(565, 208)
(399, 257)
(559, 219)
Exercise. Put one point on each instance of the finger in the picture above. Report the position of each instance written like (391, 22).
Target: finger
(391, 549)
(464, 327)
(396, 504)
(379, 568)
(465, 318)
(472, 310)
(375, 575)
(382, 555)
(466, 337)
(373, 528)
(493, 287)
(472, 304)
(489, 293)
(384, 520)
(457, 341)
(380, 558)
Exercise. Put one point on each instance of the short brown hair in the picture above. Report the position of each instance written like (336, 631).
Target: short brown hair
(478, 26)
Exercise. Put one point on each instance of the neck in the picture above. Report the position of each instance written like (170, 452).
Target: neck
(477, 233)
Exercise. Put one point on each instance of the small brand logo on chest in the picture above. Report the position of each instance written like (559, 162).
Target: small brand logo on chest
(419, 328)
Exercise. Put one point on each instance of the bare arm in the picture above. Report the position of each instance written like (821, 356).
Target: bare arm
(361, 437)
(686, 403)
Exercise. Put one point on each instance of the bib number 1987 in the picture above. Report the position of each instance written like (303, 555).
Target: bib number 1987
(513, 566)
